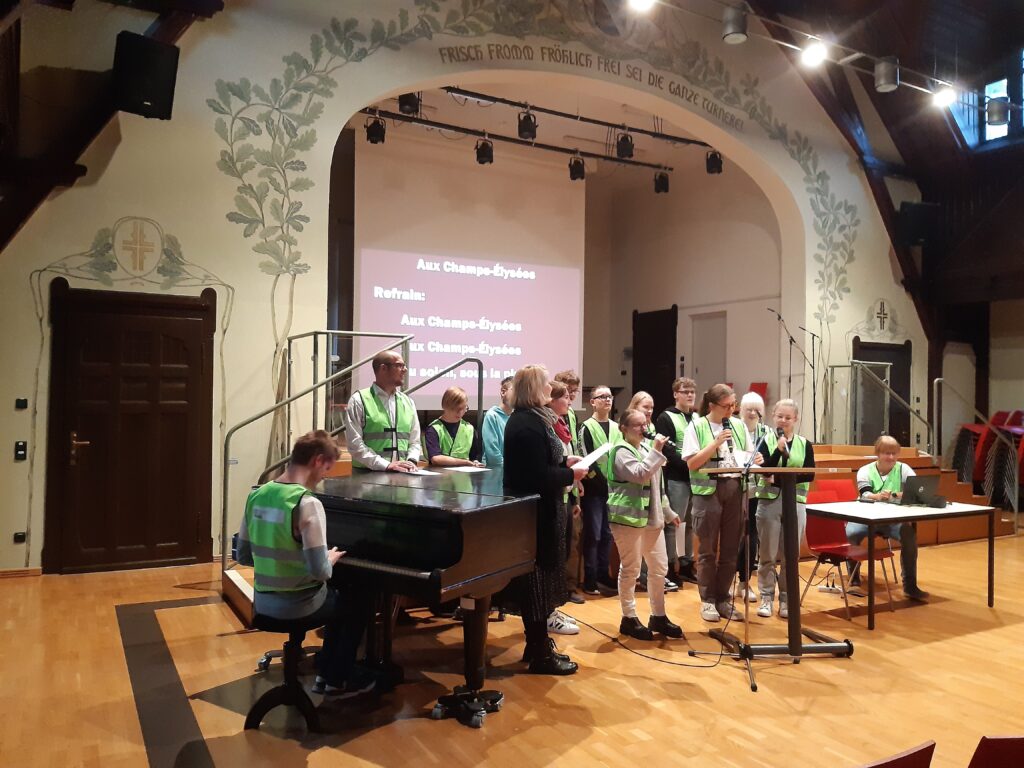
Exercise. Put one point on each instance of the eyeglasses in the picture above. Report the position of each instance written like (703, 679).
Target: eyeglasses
(730, 406)
(685, 392)
(601, 397)
(401, 366)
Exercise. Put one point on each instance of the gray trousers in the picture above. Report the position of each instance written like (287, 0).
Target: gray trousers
(718, 521)
(679, 540)
(770, 547)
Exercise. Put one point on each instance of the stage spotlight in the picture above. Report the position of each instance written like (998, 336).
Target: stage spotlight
(814, 53)
(643, 6)
(997, 111)
(577, 170)
(409, 103)
(734, 26)
(375, 130)
(484, 152)
(887, 74)
(527, 126)
(713, 162)
(660, 182)
(943, 96)
(624, 146)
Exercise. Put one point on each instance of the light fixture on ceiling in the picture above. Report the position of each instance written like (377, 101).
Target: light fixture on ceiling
(660, 183)
(376, 130)
(734, 25)
(527, 126)
(484, 151)
(577, 170)
(624, 146)
(943, 95)
(641, 6)
(997, 110)
(713, 162)
(409, 103)
(887, 74)
(814, 53)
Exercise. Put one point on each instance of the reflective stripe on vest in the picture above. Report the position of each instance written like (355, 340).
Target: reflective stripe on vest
(797, 456)
(680, 423)
(628, 502)
(279, 563)
(893, 481)
(599, 438)
(379, 434)
(458, 448)
(702, 483)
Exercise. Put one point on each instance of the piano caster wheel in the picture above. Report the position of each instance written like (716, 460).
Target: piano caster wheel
(477, 721)
(264, 663)
(439, 712)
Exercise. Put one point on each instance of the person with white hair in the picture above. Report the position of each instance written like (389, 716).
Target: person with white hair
(752, 415)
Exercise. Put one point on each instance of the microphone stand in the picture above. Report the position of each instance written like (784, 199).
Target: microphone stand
(792, 343)
(814, 380)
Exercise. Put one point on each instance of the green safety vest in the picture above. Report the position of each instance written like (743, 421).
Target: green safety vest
(280, 565)
(378, 431)
(599, 438)
(797, 455)
(702, 483)
(574, 431)
(628, 502)
(458, 448)
(680, 423)
(893, 481)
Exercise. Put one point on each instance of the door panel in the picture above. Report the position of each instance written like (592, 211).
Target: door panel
(709, 350)
(654, 354)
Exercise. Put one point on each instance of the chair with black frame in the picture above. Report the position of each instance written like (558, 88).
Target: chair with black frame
(918, 757)
(826, 538)
(290, 692)
(998, 752)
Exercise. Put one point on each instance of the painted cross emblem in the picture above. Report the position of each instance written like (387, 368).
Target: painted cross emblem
(138, 246)
(882, 315)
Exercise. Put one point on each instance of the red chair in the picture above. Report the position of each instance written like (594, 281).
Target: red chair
(826, 538)
(846, 490)
(761, 387)
(985, 442)
(918, 757)
(998, 752)
(1015, 419)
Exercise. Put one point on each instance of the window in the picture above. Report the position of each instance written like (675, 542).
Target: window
(994, 91)
(1011, 88)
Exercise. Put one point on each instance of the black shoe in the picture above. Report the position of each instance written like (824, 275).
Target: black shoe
(608, 590)
(641, 586)
(577, 598)
(687, 573)
(547, 649)
(917, 595)
(630, 625)
(663, 626)
(591, 589)
(555, 664)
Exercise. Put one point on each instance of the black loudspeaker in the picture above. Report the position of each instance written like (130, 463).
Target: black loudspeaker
(144, 75)
(917, 223)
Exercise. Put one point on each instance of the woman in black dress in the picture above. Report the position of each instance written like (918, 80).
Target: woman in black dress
(534, 463)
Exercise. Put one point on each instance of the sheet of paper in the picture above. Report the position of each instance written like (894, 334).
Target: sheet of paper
(468, 469)
(742, 457)
(423, 472)
(590, 458)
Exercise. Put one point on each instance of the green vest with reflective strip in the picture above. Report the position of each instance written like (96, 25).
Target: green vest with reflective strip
(280, 565)
(458, 448)
(628, 502)
(702, 483)
(797, 456)
(574, 431)
(893, 481)
(680, 423)
(599, 438)
(378, 429)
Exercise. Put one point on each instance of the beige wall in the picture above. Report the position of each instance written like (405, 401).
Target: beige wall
(1006, 372)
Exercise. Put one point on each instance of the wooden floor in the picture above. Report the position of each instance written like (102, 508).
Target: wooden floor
(950, 671)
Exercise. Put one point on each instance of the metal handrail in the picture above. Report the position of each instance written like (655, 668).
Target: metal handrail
(936, 398)
(895, 395)
(266, 412)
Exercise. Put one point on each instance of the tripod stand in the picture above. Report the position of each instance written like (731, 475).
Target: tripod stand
(794, 647)
(814, 380)
(792, 344)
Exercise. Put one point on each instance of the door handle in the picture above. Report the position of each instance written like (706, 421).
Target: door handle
(75, 445)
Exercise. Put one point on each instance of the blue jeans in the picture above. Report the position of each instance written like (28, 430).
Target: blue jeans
(595, 541)
(906, 533)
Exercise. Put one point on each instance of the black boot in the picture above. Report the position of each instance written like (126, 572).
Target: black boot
(687, 572)
(630, 625)
(663, 626)
(546, 661)
(529, 653)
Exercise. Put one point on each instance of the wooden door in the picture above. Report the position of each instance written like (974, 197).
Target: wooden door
(654, 354)
(899, 357)
(129, 462)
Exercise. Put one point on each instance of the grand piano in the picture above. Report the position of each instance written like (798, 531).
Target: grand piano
(433, 538)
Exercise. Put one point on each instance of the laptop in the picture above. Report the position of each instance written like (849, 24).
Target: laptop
(922, 491)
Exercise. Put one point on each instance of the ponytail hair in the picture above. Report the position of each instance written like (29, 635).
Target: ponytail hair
(713, 396)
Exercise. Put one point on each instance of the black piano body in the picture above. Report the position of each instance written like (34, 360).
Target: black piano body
(434, 538)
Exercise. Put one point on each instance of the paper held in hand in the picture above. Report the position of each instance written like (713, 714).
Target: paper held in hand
(587, 461)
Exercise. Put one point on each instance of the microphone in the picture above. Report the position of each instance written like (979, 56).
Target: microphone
(650, 434)
(780, 432)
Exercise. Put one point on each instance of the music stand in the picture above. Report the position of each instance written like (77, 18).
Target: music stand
(794, 647)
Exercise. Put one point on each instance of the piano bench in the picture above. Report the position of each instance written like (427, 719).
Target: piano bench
(290, 692)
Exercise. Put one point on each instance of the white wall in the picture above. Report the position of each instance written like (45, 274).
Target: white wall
(958, 370)
(1006, 372)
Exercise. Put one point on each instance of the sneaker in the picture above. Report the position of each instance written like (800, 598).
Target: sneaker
(577, 597)
(631, 625)
(560, 624)
(727, 612)
(708, 612)
(591, 589)
(745, 591)
(663, 626)
(671, 586)
(607, 590)
(783, 609)
(764, 610)
(359, 682)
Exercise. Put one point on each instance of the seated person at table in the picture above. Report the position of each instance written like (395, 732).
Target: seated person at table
(284, 536)
(449, 441)
(883, 480)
